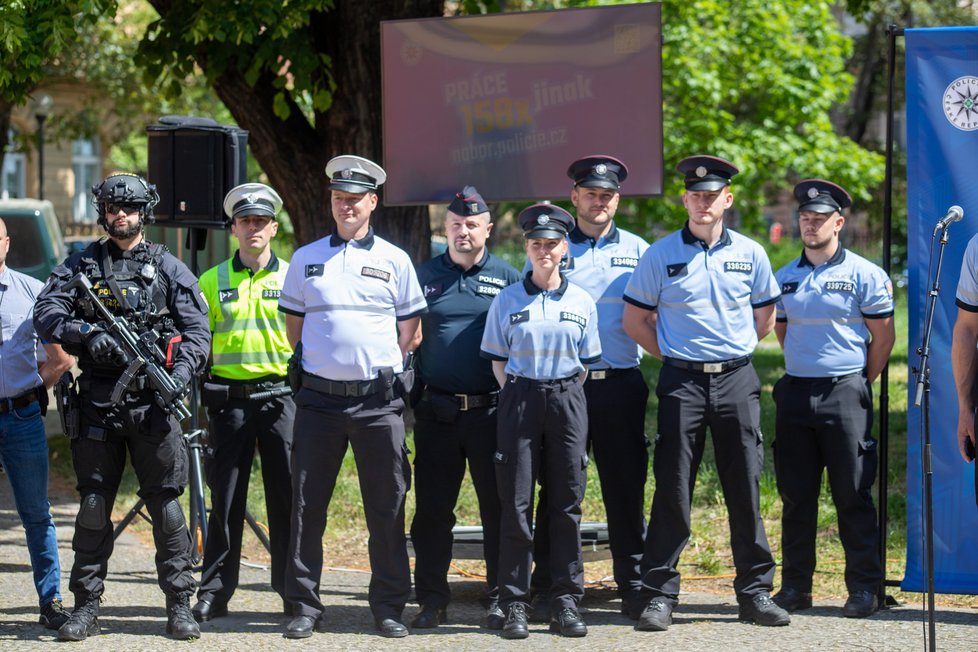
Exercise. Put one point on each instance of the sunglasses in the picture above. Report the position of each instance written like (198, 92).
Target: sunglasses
(128, 209)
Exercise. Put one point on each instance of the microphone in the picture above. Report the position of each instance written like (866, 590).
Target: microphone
(954, 214)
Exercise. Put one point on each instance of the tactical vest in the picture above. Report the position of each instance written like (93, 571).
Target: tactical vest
(130, 287)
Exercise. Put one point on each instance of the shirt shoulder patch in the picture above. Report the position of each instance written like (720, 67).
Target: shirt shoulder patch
(227, 296)
(789, 288)
(676, 269)
(314, 270)
(519, 317)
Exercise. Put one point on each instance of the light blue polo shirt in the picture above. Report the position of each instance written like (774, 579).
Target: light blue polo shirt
(826, 308)
(351, 296)
(20, 345)
(602, 268)
(542, 334)
(704, 296)
(967, 295)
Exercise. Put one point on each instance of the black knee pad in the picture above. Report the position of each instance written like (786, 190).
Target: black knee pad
(91, 514)
(173, 517)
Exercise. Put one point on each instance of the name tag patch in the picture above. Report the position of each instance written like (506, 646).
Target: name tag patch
(270, 294)
(490, 290)
(225, 296)
(624, 261)
(789, 288)
(745, 266)
(840, 286)
(676, 269)
(373, 272)
(314, 270)
(482, 278)
(580, 320)
(519, 317)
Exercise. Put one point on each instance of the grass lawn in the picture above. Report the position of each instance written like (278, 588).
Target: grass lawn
(706, 564)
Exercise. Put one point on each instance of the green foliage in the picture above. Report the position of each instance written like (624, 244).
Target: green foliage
(754, 82)
(260, 38)
(33, 33)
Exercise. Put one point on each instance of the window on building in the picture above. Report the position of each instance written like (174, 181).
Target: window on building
(13, 181)
(86, 161)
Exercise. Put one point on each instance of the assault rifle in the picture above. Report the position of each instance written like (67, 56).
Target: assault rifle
(143, 353)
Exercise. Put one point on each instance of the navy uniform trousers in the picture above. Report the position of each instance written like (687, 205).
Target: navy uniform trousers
(236, 430)
(690, 402)
(616, 437)
(325, 425)
(155, 445)
(542, 433)
(442, 450)
(826, 423)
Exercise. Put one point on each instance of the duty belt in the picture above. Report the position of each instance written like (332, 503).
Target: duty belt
(242, 391)
(17, 402)
(602, 374)
(342, 387)
(719, 367)
(466, 402)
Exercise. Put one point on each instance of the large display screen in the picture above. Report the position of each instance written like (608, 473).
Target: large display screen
(506, 102)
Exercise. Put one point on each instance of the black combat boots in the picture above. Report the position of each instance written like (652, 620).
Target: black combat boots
(180, 623)
(83, 621)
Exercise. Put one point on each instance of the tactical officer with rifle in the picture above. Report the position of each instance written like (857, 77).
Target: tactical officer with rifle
(137, 321)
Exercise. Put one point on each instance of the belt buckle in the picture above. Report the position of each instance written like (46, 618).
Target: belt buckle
(463, 402)
(599, 374)
(712, 367)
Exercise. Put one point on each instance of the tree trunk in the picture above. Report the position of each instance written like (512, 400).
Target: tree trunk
(5, 109)
(870, 56)
(294, 153)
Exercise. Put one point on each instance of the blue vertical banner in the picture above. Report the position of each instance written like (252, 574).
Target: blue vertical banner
(942, 171)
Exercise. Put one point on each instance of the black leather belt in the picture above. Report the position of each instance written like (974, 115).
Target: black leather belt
(17, 402)
(559, 382)
(602, 374)
(719, 367)
(466, 402)
(342, 387)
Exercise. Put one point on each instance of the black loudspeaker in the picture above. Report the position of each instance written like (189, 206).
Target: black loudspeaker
(194, 162)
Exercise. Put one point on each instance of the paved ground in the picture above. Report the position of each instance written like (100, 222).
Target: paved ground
(133, 617)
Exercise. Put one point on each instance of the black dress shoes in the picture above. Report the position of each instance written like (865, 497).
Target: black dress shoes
(516, 624)
(429, 617)
(301, 627)
(495, 618)
(568, 622)
(762, 610)
(791, 599)
(391, 628)
(209, 609)
(860, 604)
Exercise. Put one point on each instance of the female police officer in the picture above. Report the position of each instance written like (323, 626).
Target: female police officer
(540, 335)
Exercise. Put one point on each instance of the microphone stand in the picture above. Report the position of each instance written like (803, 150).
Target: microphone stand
(922, 398)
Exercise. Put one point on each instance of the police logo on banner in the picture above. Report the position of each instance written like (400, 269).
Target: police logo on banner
(961, 103)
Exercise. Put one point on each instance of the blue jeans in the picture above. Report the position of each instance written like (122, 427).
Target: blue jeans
(24, 453)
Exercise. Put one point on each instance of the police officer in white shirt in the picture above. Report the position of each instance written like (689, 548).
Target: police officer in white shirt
(353, 303)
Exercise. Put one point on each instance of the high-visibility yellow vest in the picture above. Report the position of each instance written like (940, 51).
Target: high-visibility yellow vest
(248, 331)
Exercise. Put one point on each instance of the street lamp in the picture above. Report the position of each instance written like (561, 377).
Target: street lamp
(42, 108)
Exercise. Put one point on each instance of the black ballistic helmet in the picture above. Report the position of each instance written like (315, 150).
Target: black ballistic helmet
(125, 188)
